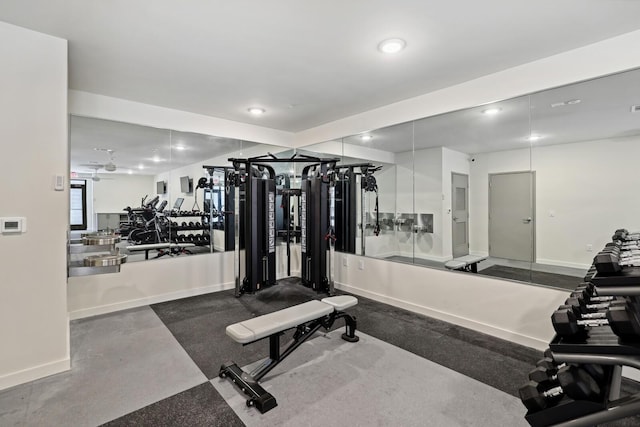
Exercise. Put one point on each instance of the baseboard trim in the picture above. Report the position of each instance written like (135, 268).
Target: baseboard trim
(34, 373)
(504, 334)
(124, 305)
(584, 267)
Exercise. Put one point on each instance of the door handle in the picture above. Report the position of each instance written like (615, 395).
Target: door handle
(455, 218)
(527, 220)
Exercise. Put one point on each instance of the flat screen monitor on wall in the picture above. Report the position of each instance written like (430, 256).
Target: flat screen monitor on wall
(186, 184)
(161, 187)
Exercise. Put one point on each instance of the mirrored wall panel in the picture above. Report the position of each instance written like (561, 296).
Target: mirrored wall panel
(162, 191)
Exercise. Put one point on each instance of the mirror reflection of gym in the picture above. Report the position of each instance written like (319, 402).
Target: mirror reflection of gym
(145, 184)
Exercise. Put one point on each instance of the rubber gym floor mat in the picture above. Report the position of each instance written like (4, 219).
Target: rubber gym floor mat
(328, 381)
(538, 277)
(199, 406)
(198, 323)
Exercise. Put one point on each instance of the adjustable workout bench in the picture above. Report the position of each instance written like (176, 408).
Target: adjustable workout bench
(307, 318)
(465, 263)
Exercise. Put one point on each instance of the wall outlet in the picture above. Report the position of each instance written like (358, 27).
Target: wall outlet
(361, 264)
(345, 261)
(589, 247)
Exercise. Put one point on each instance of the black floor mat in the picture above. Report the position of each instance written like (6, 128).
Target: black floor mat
(532, 276)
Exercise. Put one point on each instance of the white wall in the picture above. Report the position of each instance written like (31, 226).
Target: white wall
(163, 279)
(428, 192)
(104, 107)
(33, 122)
(114, 192)
(590, 192)
(504, 309)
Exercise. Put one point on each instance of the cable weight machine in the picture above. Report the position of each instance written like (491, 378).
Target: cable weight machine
(254, 185)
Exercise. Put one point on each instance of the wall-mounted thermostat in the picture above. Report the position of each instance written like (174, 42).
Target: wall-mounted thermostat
(13, 225)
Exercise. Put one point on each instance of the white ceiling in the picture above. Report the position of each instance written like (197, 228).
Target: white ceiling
(306, 63)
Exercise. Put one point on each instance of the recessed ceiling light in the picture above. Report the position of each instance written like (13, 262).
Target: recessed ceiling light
(491, 111)
(140, 166)
(256, 111)
(366, 137)
(391, 45)
(156, 159)
(179, 147)
(130, 172)
(534, 138)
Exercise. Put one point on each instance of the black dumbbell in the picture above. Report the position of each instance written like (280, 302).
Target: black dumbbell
(622, 318)
(546, 370)
(191, 224)
(190, 238)
(198, 225)
(184, 224)
(206, 239)
(570, 380)
(198, 238)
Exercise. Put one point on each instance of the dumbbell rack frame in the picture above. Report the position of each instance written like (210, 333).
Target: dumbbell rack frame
(601, 347)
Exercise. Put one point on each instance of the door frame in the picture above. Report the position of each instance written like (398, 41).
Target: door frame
(452, 210)
(533, 210)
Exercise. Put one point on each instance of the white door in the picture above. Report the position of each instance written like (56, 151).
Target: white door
(511, 215)
(460, 214)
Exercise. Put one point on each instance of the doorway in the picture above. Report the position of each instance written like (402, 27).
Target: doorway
(511, 216)
(460, 214)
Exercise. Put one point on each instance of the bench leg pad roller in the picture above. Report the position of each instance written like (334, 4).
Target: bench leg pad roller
(258, 396)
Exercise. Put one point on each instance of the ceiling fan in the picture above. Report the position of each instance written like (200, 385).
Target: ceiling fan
(109, 167)
(91, 175)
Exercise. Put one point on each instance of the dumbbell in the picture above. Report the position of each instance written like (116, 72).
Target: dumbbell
(547, 369)
(174, 224)
(191, 224)
(198, 225)
(198, 238)
(622, 319)
(190, 238)
(570, 381)
(184, 224)
(206, 239)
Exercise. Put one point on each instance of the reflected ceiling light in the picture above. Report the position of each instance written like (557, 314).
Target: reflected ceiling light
(563, 103)
(533, 138)
(491, 111)
(130, 172)
(391, 45)
(256, 111)
(156, 159)
(366, 137)
(140, 166)
(179, 147)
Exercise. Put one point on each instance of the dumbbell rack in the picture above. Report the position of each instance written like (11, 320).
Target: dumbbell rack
(204, 227)
(602, 347)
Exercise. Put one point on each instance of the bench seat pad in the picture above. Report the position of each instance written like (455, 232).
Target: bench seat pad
(463, 261)
(263, 326)
(341, 302)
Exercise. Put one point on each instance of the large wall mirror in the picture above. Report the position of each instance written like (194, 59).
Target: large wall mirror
(145, 183)
(534, 186)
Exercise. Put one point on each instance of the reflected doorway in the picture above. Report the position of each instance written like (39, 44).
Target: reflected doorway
(460, 214)
(511, 215)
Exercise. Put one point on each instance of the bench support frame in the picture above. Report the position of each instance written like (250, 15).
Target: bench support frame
(248, 382)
